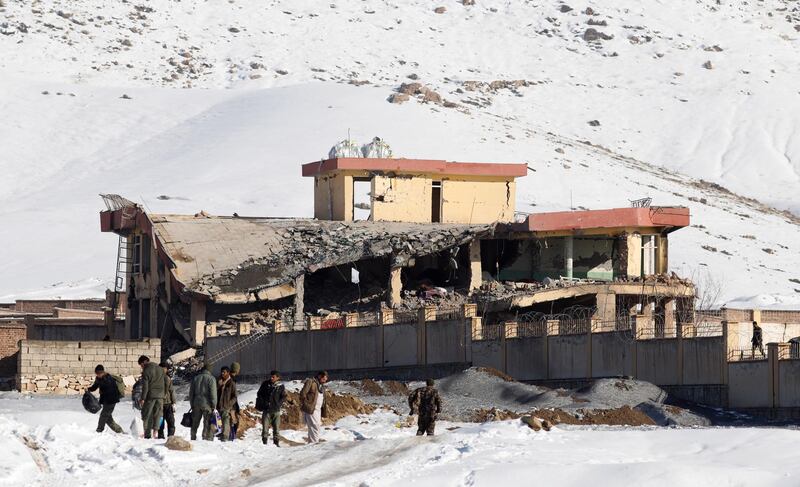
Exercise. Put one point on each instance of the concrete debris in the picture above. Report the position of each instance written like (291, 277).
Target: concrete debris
(595, 35)
(290, 248)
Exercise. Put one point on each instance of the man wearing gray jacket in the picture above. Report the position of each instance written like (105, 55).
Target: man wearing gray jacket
(203, 400)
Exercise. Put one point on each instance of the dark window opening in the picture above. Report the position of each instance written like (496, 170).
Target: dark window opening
(436, 201)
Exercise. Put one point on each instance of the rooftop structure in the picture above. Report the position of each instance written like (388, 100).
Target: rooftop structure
(413, 190)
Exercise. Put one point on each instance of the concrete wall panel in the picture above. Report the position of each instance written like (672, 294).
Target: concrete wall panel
(748, 385)
(657, 361)
(292, 351)
(488, 353)
(400, 345)
(364, 347)
(568, 356)
(526, 358)
(445, 342)
(328, 349)
(613, 354)
(703, 360)
(788, 383)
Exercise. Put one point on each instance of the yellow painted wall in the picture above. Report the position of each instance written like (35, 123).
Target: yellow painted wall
(401, 198)
(634, 254)
(333, 197)
(407, 198)
(478, 200)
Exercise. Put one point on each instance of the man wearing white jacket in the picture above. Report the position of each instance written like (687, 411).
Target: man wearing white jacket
(312, 403)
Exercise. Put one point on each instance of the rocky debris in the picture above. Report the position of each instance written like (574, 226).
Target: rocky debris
(178, 443)
(714, 48)
(421, 92)
(337, 407)
(600, 23)
(234, 30)
(594, 123)
(768, 251)
(309, 245)
(589, 11)
(708, 65)
(440, 10)
(480, 395)
(536, 424)
(497, 85)
(467, 3)
(564, 8)
(591, 35)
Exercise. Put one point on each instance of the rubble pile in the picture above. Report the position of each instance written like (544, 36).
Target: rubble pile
(310, 245)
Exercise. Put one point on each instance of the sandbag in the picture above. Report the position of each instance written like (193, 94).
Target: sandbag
(136, 394)
(91, 403)
(186, 420)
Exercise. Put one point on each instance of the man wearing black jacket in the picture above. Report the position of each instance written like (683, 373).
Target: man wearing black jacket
(269, 400)
(109, 397)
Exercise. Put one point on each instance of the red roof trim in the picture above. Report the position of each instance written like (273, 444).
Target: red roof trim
(611, 218)
(417, 166)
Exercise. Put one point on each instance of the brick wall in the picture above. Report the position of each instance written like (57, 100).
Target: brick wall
(47, 305)
(68, 367)
(10, 336)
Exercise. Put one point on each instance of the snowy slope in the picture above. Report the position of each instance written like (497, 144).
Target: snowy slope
(271, 92)
(373, 451)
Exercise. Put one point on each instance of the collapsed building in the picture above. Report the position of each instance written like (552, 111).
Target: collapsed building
(396, 234)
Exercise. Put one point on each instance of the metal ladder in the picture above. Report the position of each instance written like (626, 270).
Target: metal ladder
(123, 259)
(240, 345)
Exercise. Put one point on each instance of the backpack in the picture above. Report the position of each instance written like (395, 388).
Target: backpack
(120, 385)
(136, 394)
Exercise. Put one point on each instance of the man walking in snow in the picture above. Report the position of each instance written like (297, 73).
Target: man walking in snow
(153, 391)
(109, 397)
(203, 400)
(226, 401)
(312, 404)
(169, 405)
(758, 340)
(425, 401)
(269, 400)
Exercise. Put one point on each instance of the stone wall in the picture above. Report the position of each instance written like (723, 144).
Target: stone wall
(67, 367)
(10, 336)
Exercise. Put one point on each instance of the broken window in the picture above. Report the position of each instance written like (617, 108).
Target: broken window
(436, 201)
(137, 253)
(362, 199)
(648, 255)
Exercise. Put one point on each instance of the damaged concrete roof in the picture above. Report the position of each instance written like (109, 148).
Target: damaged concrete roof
(230, 259)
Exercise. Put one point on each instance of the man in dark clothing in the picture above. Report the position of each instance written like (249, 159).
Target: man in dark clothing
(269, 400)
(226, 401)
(758, 340)
(203, 400)
(153, 392)
(425, 401)
(169, 404)
(109, 397)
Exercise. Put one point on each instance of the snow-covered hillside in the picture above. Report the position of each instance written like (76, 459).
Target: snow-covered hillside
(93, 99)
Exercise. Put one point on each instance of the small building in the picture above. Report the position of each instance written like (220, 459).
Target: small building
(413, 190)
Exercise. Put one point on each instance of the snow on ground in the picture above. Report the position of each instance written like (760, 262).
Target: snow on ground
(375, 451)
(91, 103)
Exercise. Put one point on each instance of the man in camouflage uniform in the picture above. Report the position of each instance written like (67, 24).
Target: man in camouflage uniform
(425, 401)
